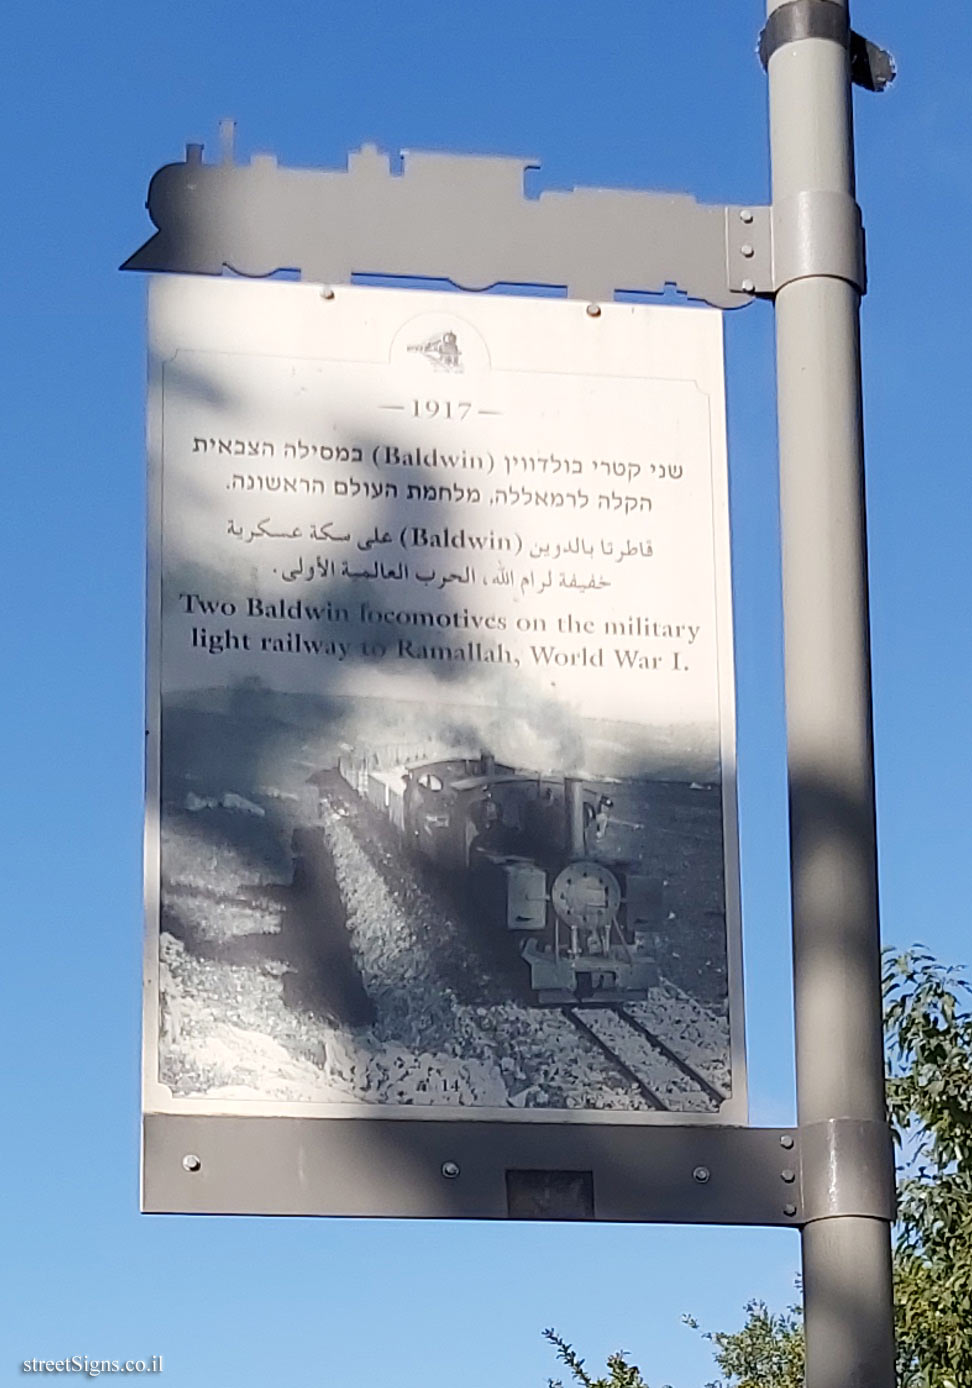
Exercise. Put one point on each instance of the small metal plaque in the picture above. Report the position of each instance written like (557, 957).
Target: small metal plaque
(550, 1194)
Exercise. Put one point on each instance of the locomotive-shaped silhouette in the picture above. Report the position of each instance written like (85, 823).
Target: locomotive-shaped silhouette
(533, 853)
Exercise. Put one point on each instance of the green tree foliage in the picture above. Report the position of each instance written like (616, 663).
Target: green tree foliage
(766, 1353)
(928, 1031)
(621, 1374)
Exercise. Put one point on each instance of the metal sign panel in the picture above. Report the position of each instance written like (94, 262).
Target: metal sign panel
(465, 217)
(441, 783)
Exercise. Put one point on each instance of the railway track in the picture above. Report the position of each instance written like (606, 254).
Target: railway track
(647, 1062)
(629, 1050)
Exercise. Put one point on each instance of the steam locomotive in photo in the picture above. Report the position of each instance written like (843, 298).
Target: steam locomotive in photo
(533, 851)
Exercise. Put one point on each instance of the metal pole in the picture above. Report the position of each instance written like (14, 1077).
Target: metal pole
(840, 1068)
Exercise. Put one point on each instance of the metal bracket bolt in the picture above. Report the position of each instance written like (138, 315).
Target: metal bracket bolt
(190, 1162)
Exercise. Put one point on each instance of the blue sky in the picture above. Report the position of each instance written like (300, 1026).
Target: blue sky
(94, 99)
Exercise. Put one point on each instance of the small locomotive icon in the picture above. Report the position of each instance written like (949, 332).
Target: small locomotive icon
(442, 351)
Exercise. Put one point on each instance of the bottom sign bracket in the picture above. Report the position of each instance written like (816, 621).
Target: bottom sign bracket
(467, 1169)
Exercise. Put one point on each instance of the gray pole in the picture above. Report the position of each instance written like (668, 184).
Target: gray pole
(840, 1069)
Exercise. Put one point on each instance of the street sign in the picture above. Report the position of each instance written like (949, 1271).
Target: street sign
(441, 762)
(498, 833)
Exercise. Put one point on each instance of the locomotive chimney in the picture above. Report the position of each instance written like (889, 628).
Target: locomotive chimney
(574, 816)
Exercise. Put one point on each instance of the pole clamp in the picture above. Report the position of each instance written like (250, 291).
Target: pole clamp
(847, 1168)
(813, 232)
(871, 67)
(816, 232)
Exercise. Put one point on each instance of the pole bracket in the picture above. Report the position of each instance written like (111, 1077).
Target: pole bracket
(871, 67)
(466, 218)
(817, 232)
(847, 1168)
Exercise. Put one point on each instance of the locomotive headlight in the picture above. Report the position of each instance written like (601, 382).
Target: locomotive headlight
(586, 894)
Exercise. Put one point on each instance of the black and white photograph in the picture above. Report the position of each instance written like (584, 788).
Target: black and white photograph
(364, 909)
